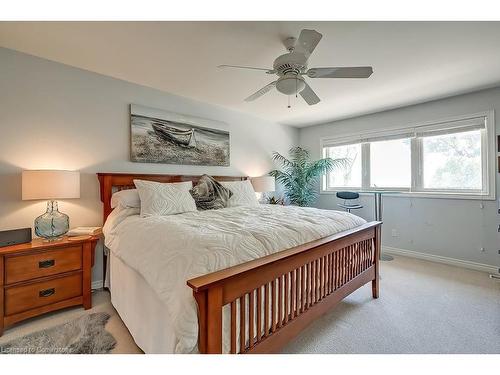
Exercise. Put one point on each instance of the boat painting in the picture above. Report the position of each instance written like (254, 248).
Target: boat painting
(181, 137)
(165, 137)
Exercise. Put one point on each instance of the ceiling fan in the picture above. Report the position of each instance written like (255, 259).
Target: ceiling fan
(292, 67)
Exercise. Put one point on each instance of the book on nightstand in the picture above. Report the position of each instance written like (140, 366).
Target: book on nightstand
(84, 231)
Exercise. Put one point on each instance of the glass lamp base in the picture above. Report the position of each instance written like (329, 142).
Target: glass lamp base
(52, 224)
(53, 239)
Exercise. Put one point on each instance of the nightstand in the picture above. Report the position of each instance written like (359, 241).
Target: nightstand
(39, 277)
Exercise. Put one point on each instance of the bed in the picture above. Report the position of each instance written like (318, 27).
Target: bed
(253, 295)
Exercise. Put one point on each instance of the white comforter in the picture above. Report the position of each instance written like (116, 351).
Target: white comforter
(169, 250)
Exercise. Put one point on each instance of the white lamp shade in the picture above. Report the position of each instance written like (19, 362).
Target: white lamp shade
(45, 184)
(263, 184)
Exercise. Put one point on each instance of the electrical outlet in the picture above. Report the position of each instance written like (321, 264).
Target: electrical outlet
(394, 233)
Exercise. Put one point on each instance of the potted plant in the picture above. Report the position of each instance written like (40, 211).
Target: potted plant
(299, 175)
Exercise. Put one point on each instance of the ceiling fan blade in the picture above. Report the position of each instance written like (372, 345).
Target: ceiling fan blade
(269, 71)
(261, 92)
(309, 95)
(341, 72)
(307, 42)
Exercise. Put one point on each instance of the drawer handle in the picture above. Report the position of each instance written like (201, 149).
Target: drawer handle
(47, 292)
(46, 263)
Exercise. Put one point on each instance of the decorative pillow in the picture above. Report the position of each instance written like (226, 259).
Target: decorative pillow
(126, 198)
(158, 199)
(243, 193)
(210, 194)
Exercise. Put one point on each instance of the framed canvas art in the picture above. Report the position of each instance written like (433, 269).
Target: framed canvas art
(158, 136)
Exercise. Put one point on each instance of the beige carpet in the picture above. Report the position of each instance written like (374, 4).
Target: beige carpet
(423, 307)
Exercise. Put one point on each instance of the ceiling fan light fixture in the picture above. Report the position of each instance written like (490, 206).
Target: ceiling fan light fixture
(292, 66)
(290, 85)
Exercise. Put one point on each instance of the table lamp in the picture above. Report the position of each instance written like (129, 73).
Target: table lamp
(51, 185)
(263, 184)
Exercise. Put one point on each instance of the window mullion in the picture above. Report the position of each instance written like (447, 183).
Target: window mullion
(416, 164)
(365, 166)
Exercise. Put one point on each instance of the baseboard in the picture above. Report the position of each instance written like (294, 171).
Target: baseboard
(440, 259)
(97, 284)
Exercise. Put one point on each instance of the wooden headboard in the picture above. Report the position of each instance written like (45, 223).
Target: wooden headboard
(112, 182)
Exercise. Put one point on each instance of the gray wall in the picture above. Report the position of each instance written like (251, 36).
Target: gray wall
(53, 116)
(445, 227)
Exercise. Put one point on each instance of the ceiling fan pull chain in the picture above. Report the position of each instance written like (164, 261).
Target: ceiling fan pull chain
(289, 106)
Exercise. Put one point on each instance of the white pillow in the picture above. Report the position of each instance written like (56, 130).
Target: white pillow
(158, 199)
(126, 198)
(243, 193)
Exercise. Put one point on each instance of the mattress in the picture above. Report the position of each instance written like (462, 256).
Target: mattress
(141, 310)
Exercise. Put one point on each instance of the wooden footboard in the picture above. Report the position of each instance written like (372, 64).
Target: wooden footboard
(272, 299)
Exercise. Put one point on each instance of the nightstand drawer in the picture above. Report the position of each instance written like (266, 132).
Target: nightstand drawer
(50, 262)
(30, 296)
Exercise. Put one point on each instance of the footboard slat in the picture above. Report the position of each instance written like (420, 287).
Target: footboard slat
(251, 320)
(313, 283)
(233, 327)
(302, 290)
(286, 301)
(273, 305)
(308, 285)
(272, 299)
(327, 275)
(327, 278)
(259, 314)
(316, 276)
(280, 302)
(242, 322)
(267, 323)
(344, 269)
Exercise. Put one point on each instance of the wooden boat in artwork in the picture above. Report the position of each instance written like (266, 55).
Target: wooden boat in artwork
(184, 138)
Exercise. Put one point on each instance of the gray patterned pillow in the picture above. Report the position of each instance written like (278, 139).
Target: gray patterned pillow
(210, 194)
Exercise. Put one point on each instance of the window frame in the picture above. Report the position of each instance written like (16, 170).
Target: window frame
(488, 162)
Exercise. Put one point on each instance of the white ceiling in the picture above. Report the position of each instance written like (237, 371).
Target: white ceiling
(413, 61)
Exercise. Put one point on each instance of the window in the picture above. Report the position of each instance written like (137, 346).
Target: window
(390, 163)
(350, 174)
(452, 161)
(451, 158)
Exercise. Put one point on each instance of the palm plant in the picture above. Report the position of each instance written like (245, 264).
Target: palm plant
(299, 175)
